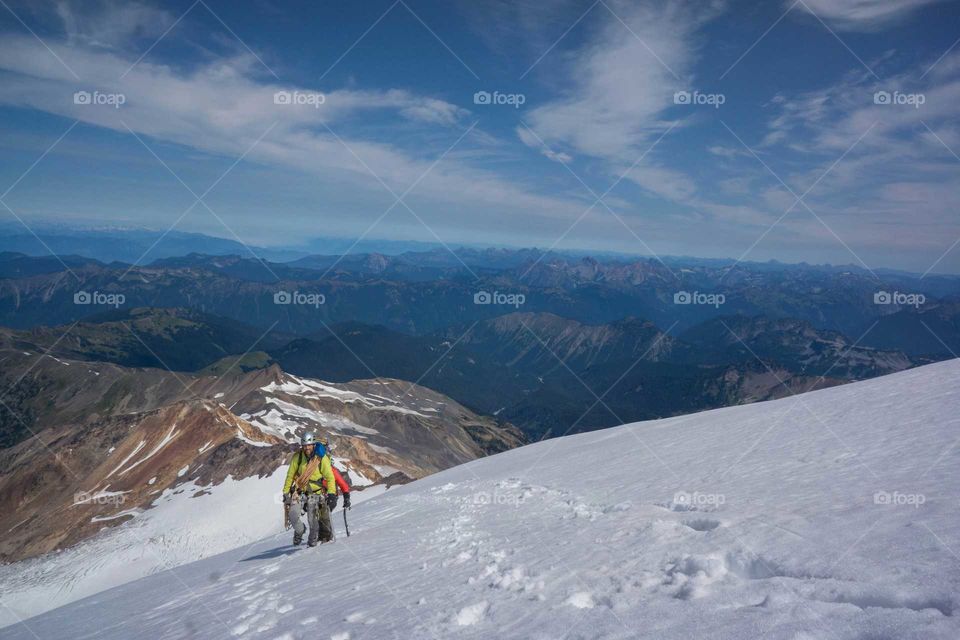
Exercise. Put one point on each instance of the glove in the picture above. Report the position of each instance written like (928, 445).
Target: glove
(331, 501)
(287, 498)
(346, 501)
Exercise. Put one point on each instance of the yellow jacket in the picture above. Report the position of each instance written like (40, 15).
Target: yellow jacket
(322, 472)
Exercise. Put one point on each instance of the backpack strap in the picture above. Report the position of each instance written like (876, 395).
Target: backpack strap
(302, 480)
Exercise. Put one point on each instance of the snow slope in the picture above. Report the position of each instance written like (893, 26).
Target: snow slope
(828, 515)
(185, 524)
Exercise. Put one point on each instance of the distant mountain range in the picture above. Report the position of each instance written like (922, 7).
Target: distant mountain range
(545, 373)
(143, 246)
(139, 246)
(548, 342)
(423, 293)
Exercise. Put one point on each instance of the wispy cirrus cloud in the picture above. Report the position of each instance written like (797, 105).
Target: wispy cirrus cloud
(861, 15)
(876, 155)
(600, 99)
(112, 25)
(223, 106)
(620, 83)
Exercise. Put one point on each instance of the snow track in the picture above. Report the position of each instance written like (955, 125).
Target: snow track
(831, 515)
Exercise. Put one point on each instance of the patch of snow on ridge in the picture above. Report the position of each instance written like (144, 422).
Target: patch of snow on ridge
(380, 449)
(385, 470)
(160, 445)
(285, 418)
(357, 479)
(123, 462)
(127, 512)
(256, 443)
(307, 388)
(272, 422)
(399, 409)
(384, 398)
(312, 388)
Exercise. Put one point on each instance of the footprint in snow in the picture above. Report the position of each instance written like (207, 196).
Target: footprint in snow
(620, 506)
(702, 524)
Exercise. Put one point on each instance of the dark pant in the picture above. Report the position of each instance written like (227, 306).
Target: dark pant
(318, 518)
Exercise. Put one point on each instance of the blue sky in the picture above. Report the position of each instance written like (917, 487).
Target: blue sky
(786, 149)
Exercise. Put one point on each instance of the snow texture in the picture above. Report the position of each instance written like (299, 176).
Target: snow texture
(827, 515)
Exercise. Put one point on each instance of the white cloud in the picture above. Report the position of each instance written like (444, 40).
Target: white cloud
(667, 183)
(111, 25)
(860, 15)
(530, 139)
(894, 187)
(433, 111)
(613, 98)
(621, 83)
(221, 108)
(727, 152)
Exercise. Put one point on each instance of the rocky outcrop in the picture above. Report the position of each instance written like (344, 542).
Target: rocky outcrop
(100, 442)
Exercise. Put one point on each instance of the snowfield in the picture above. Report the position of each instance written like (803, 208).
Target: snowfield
(828, 515)
(185, 524)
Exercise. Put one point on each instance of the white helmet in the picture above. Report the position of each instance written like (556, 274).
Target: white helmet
(308, 438)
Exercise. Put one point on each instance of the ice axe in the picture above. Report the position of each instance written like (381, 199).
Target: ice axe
(345, 525)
